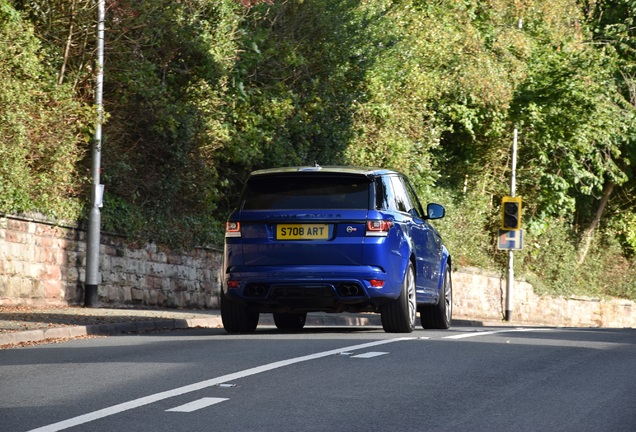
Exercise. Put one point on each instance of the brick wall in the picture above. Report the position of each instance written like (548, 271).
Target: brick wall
(42, 264)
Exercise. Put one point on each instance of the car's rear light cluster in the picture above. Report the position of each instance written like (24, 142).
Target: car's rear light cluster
(378, 228)
(232, 229)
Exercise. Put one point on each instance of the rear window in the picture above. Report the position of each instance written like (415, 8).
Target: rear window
(306, 192)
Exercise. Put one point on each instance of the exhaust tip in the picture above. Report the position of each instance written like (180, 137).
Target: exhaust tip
(256, 290)
(349, 290)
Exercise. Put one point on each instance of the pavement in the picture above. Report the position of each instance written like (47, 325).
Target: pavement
(26, 325)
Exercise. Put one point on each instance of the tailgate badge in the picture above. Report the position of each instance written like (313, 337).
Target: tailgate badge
(351, 229)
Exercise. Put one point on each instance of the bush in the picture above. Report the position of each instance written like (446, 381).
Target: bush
(548, 260)
(42, 129)
(467, 228)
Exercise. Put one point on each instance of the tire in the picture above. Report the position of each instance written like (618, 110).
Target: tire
(237, 317)
(439, 316)
(290, 321)
(398, 316)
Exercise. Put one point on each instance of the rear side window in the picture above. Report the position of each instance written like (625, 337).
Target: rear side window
(396, 194)
(384, 198)
(402, 199)
(306, 192)
(416, 208)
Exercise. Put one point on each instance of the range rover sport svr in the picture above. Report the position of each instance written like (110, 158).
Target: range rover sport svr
(334, 239)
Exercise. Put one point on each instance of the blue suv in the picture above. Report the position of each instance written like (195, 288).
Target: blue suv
(334, 239)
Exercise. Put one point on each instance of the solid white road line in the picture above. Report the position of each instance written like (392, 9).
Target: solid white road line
(126, 406)
(197, 404)
(486, 333)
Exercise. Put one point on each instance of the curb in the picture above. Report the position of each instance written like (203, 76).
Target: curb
(69, 332)
(26, 336)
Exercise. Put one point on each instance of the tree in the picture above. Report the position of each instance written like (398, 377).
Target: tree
(612, 24)
(166, 71)
(42, 128)
(575, 125)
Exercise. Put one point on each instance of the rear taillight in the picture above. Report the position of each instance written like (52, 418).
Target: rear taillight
(232, 229)
(378, 228)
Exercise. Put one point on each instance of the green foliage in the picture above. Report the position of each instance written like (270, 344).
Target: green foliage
(41, 128)
(573, 127)
(463, 228)
(200, 92)
(549, 258)
(622, 227)
(606, 273)
(165, 79)
(292, 87)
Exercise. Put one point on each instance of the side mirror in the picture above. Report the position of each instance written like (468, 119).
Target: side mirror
(435, 211)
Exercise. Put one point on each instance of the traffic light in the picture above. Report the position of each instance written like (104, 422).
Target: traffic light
(511, 213)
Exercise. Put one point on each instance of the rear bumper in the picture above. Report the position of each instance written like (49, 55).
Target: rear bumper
(309, 288)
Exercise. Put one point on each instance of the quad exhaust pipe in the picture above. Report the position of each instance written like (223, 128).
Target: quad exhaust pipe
(256, 290)
(349, 290)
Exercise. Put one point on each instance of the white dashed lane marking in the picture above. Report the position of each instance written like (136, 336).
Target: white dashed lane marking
(197, 405)
(369, 354)
(136, 403)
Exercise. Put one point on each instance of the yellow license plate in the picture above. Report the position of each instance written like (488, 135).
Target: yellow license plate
(302, 231)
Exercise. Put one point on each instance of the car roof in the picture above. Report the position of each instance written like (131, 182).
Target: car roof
(333, 169)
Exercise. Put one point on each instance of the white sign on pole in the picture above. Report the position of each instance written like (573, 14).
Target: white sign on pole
(510, 240)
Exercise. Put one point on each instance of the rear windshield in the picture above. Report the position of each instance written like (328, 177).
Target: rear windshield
(306, 192)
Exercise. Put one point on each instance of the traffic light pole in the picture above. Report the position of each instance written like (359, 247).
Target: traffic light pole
(511, 271)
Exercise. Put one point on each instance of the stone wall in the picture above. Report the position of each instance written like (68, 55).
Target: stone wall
(480, 295)
(43, 264)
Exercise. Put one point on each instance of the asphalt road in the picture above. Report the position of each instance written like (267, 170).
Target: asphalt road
(326, 379)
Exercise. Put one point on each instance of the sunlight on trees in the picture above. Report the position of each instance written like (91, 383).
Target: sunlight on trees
(200, 92)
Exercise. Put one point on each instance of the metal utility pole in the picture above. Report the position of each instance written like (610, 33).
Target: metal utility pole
(514, 225)
(511, 271)
(94, 216)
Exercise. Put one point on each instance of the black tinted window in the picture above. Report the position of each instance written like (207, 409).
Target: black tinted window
(384, 199)
(402, 199)
(416, 209)
(306, 192)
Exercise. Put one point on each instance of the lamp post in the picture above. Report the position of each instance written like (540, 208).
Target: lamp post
(94, 216)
